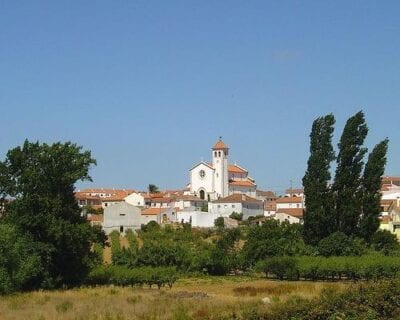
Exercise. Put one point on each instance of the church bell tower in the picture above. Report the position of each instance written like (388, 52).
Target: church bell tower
(220, 163)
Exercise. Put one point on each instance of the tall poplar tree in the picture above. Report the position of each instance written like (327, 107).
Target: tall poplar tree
(371, 183)
(319, 217)
(347, 186)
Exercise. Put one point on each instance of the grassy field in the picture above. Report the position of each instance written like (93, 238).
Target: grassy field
(200, 298)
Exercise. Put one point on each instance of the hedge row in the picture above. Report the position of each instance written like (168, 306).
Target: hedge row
(370, 267)
(122, 276)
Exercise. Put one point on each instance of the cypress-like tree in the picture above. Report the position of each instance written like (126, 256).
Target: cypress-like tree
(371, 183)
(347, 185)
(319, 217)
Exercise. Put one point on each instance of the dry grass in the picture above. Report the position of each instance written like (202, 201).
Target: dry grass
(208, 298)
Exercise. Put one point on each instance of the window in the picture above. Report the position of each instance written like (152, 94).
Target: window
(233, 206)
(121, 229)
(219, 206)
(219, 154)
(122, 214)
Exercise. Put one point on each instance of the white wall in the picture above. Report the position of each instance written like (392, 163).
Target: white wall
(197, 183)
(135, 199)
(225, 209)
(289, 205)
(285, 217)
(198, 218)
(121, 214)
(250, 191)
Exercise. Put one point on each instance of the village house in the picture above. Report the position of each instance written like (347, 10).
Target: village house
(239, 203)
(290, 209)
(393, 219)
(121, 217)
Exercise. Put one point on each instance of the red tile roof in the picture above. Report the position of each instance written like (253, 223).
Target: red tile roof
(153, 211)
(289, 200)
(294, 212)
(220, 145)
(242, 183)
(266, 194)
(234, 168)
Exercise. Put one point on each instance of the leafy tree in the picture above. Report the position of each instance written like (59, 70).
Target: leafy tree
(20, 264)
(41, 178)
(339, 244)
(219, 223)
(223, 256)
(385, 241)
(153, 188)
(371, 183)
(273, 238)
(347, 184)
(237, 216)
(319, 218)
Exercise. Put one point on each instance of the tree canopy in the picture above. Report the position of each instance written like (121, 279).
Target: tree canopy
(40, 178)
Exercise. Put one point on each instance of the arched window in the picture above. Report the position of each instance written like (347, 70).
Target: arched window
(202, 194)
(219, 153)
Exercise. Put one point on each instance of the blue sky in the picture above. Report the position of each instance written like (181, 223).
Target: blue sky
(149, 86)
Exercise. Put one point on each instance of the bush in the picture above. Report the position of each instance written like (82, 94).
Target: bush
(281, 267)
(380, 300)
(122, 276)
(20, 264)
(339, 244)
(384, 241)
(236, 216)
(219, 223)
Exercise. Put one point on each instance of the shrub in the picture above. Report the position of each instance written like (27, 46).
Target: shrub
(339, 244)
(122, 276)
(384, 241)
(237, 216)
(379, 300)
(280, 267)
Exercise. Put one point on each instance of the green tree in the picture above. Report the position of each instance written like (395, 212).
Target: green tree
(236, 215)
(385, 241)
(273, 238)
(371, 183)
(319, 216)
(219, 223)
(41, 179)
(20, 264)
(152, 188)
(347, 185)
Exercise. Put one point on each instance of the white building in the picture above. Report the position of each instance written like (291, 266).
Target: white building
(290, 209)
(240, 203)
(135, 199)
(121, 217)
(218, 179)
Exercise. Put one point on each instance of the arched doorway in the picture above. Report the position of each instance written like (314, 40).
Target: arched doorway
(202, 194)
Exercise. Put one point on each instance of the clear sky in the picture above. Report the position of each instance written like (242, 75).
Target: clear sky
(149, 86)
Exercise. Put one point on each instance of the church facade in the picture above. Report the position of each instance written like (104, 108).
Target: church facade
(219, 179)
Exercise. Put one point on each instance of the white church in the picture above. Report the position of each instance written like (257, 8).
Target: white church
(219, 179)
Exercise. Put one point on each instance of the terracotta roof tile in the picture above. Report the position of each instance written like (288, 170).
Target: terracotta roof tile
(234, 168)
(153, 211)
(220, 145)
(289, 200)
(242, 183)
(294, 212)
